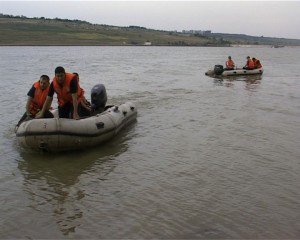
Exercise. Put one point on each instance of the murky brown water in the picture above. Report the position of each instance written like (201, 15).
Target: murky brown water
(206, 158)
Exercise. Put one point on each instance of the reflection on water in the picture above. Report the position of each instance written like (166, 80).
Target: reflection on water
(252, 84)
(252, 81)
(51, 180)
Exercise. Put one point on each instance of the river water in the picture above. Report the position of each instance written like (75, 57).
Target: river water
(206, 159)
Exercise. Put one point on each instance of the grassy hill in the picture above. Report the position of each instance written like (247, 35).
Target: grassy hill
(23, 31)
(40, 31)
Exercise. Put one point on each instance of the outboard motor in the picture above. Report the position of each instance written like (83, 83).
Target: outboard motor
(218, 69)
(98, 98)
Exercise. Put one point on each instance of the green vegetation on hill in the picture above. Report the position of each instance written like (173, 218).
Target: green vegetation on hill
(22, 31)
(42, 31)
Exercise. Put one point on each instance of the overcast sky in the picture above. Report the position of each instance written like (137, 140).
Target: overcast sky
(269, 18)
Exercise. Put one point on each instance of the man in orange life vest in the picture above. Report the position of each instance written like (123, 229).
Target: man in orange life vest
(229, 64)
(69, 95)
(36, 98)
(257, 63)
(249, 65)
(86, 107)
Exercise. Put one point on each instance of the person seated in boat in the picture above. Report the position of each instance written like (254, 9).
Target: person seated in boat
(229, 64)
(69, 95)
(249, 65)
(86, 105)
(257, 63)
(36, 98)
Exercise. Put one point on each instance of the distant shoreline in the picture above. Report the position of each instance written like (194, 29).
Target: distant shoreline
(23, 31)
(57, 45)
(27, 45)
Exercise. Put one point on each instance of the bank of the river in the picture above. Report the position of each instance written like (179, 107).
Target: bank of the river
(23, 31)
(56, 32)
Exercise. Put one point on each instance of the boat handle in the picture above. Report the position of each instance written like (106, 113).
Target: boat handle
(100, 125)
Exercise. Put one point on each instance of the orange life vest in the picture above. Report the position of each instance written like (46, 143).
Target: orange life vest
(250, 64)
(230, 64)
(38, 99)
(63, 92)
(257, 64)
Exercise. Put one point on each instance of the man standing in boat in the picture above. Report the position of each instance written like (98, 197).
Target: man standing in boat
(69, 95)
(229, 64)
